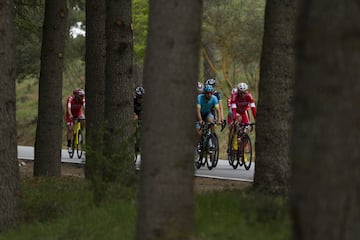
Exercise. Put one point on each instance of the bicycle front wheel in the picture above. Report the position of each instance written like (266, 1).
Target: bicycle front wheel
(197, 156)
(71, 153)
(210, 151)
(216, 141)
(79, 147)
(233, 152)
(246, 155)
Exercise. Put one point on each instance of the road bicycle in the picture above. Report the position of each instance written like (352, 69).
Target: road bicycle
(207, 150)
(77, 141)
(240, 148)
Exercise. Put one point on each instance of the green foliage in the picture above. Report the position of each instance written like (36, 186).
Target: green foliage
(28, 25)
(140, 24)
(62, 195)
(28, 35)
(235, 27)
(103, 170)
(241, 215)
(62, 209)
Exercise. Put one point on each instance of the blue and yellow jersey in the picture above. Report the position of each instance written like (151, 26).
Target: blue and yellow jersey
(206, 104)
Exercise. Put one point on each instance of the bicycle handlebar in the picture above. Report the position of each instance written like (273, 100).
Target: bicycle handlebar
(76, 118)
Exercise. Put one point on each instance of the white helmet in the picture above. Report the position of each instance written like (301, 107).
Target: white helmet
(234, 90)
(200, 87)
(242, 87)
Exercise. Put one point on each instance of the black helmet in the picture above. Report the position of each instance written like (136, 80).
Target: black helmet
(139, 91)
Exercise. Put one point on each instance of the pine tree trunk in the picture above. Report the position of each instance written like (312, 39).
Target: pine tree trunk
(325, 151)
(166, 204)
(272, 169)
(95, 77)
(9, 169)
(119, 83)
(50, 109)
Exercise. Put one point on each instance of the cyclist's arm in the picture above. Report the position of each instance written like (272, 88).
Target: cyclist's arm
(198, 113)
(69, 109)
(221, 116)
(217, 109)
(253, 109)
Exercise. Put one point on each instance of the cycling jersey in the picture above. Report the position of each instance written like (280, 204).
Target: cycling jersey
(76, 109)
(138, 107)
(240, 105)
(205, 104)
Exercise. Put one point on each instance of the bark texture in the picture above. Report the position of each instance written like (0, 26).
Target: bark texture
(95, 76)
(275, 109)
(9, 169)
(49, 129)
(325, 153)
(166, 201)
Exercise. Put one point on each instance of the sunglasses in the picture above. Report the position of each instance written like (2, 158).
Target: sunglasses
(242, 93)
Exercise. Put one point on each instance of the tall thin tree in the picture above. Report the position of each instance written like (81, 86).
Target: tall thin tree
(272, 170)
(50, 112)
(118, 71)
(9, 169)
(166, 201)
(325, 152)
(95, 76)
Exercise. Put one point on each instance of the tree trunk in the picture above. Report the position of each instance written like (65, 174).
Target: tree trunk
(9, 169)
(272, 169)
(166, 201)
(119, 83)
(95, 77)
(325, 151)
(50, 112)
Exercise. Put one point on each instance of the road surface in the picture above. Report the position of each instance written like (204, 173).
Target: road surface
(222, 171)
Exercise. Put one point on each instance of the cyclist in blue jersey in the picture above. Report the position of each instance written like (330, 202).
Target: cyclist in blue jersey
(217, 94)
(205, 103)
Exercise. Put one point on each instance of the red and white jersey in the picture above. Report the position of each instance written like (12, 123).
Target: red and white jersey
(242, 103)
(75, 106)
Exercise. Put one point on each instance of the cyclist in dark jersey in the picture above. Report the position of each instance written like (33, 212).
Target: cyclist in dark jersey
(217, 94)
(138, 99)
(138, 102)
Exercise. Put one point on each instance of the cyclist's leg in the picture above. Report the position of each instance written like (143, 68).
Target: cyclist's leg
(70, 129)
(211, 119)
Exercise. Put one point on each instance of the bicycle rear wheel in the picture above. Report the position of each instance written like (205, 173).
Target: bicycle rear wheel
(79, 150)
(246, 155)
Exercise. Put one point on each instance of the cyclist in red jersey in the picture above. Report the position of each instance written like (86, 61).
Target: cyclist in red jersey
(230, 105)
(75, 106)
(240, 103)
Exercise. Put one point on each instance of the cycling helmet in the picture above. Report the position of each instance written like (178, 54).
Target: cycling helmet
(200, 87)
(242, 87)
(210, 81)
(234, 91)
(208, 88)
(139, 91)
(79, 92)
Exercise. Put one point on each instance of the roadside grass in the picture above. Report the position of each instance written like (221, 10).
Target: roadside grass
(63, 209)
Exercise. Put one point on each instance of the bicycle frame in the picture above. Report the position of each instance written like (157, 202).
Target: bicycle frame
(77, 127)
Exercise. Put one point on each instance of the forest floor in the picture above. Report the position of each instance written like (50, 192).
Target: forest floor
(201, 184)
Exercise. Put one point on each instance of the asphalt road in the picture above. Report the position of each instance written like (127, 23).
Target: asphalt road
(222, 171)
